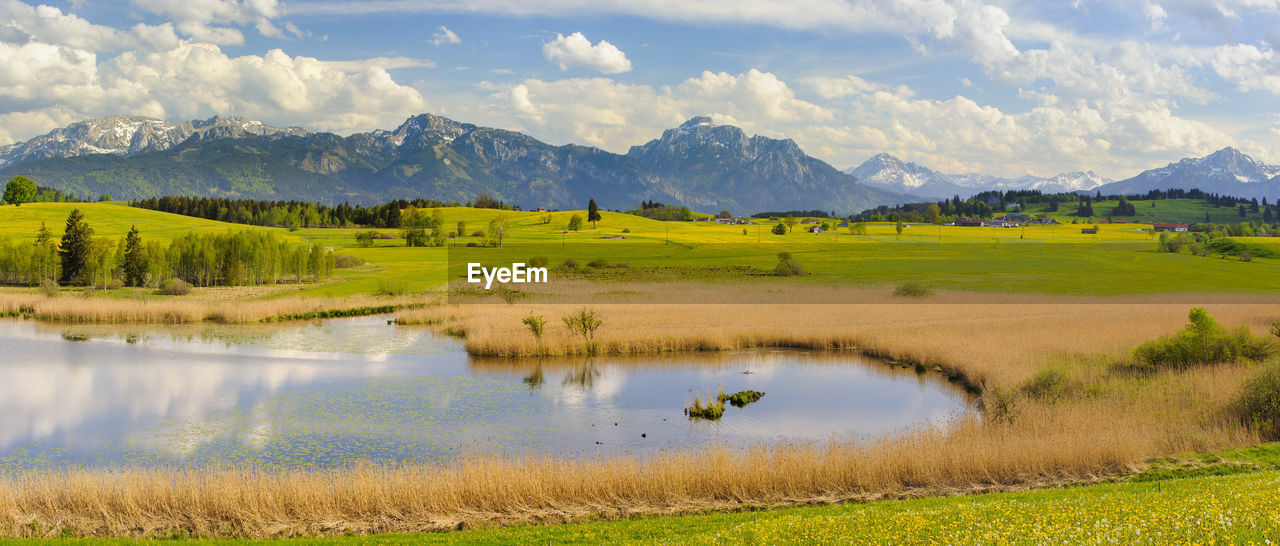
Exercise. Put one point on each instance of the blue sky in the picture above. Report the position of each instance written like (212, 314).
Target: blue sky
(1001, 87)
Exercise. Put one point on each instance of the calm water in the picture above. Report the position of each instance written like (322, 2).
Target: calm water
(361, 390)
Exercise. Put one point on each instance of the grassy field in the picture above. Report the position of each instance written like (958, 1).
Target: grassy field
(1181, 211)
(1052, 259)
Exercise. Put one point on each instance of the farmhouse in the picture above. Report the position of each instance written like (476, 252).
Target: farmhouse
(809, 221)
(969, 222)
(1170, 227)
(1017, 217)
(815, 229)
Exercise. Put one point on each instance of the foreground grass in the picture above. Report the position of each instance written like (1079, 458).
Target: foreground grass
(1237, 508)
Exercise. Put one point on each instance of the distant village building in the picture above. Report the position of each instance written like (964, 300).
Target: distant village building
(815, 229)
(1017, 217)
(969, 222)
(1089, 231)
(542, 209)
(809, 221)
(1171, 227)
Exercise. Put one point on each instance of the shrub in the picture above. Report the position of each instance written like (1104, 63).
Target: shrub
(114, 284)
(780, 229)
(1046, 386)
(478, 233)
(1258, 405)
(787, 267)
(50, 288)
(175, 287)
(346, 261)
(598, 264)
(626, 230)
(392, 287)
(912, 290)
(1204, 341)
(536, 324)
(538, 261)
(569, 264)
(583, 323)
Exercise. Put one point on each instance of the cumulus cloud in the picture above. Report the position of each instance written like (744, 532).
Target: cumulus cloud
(206, 20)
(443, 35)
(614, 115)
(576, 51)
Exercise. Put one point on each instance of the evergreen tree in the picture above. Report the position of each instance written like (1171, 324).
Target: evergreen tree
(593, 212)
(77, 242)
(135, 259)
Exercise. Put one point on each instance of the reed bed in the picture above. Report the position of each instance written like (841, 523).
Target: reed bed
(101, 310)
(998, 339)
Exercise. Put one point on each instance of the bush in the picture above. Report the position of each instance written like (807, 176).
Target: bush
(626, 230)
(50, 288)
(569, 264)
(787, 267)
(780, 229)
(712, 411)
(598, 264)
(115, 284)
(1204, 341)
(1046, 386)
(392, 287)
(1258, 405)
(347, 261)
(538, 261)
(912, 290)
(478, 233)
(175, 287)
(536, 324)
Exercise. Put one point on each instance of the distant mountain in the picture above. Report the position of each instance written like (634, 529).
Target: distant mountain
(1227, 171)
(701, 165)
(717, 167)
(888, 172)
(131, 135)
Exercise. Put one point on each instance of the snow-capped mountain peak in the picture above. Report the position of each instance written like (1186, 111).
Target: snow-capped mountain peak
(886, 171)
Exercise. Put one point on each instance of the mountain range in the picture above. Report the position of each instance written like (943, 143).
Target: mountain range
(1227, 172)
(704, 166)
(888, 172)
(700, 164)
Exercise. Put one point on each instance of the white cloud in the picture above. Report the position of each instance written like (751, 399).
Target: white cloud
(443, 35)
(205, 20)
(614, 115)
(576, 51)
(1248, 67)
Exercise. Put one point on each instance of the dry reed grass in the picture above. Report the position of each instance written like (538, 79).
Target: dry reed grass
(100, 310)
(1113, 423)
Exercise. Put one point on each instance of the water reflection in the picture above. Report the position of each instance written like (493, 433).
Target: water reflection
(301, 395)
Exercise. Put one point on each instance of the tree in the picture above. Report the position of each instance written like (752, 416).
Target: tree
(76, 246)
(497, 228)
(1241, 211)
(19, 190)
(933, 214)
(790, 221)
(46, 262)
(898, 228)
(780, 229)
(462, 228)
(858, 228)
(575, 223)
(135, 259)
(593, 212)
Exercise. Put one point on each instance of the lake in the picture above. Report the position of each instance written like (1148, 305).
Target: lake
(352, 390)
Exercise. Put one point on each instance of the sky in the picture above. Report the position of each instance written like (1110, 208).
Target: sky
(1000, 87)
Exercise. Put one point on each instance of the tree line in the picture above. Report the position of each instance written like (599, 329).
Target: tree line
(288, 214)
(203, 259)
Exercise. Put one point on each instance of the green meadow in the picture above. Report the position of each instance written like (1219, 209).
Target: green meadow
(1052, 259)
